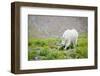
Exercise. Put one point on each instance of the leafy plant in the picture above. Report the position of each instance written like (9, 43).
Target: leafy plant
(48, 49)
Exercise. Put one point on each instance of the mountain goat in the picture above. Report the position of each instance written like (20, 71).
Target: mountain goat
(69, 38)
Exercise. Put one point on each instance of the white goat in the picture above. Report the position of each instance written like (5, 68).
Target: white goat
(69, 38)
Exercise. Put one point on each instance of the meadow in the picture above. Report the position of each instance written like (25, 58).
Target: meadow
(48, 49)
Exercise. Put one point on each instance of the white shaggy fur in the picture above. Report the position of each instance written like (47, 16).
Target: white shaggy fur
(69, 38)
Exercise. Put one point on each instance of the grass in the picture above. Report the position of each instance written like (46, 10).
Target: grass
(48, 49)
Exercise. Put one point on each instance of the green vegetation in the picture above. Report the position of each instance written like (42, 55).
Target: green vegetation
(48, 49)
